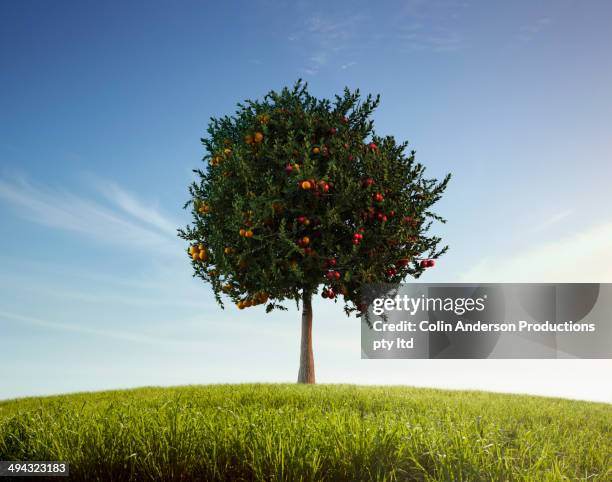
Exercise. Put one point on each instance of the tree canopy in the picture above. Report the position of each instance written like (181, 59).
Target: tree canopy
(300, 195)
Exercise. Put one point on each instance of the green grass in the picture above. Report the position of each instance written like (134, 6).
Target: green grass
(331, 432)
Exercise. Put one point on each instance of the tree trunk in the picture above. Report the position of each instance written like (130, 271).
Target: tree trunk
(307, 371)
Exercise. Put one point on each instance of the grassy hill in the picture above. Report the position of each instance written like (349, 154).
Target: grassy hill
(331, 432)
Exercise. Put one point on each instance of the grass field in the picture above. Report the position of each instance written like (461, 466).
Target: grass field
(331, 432)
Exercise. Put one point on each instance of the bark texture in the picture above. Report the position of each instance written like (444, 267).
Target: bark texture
(307, 370)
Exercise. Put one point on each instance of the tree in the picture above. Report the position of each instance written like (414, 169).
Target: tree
(301, 197)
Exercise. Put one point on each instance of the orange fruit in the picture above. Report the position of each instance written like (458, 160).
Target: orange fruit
(227, 151)
(249, 234)
(248, 139)
(258, 137)
(305, 240)
(195, 256)
(316, 150)
(192, 249)
(228, 250)
(242, 232)
(306, 185)
(240, 305)
(202, 255)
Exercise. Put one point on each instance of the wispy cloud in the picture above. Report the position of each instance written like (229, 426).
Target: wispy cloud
(330, 31)
(116, 296)
(548, 222)
(552, 220)
(119, 335)
(196, 330)
(319, 59)
(140, 211)
(310, 71)
(445, 41)
(583, 257)
(528, 31)
(129, 222)
(325, 37)
(332, 38)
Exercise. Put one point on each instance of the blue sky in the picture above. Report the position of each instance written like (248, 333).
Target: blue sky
(102, 107)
